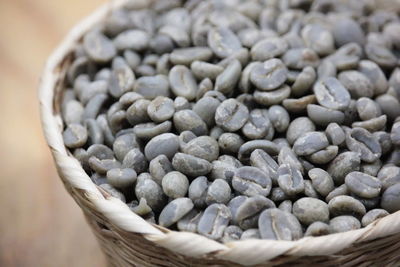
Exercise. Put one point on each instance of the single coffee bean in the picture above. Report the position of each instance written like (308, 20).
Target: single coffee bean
(231, 115)
(253, 233)
(326, 68)
(247, 148)
(161, 109)
(391, 198)
(202, 70)
(231, 233)
(376, 76)
(299, 58)
(185, 56)
(198, 191)
(251, 181)
(321, 181)
(298, 127)
(121, 178)
(166, 144)
(269, 75)
(227, 80)
(98, 47)
(258, 124)
(310, 143)
(183, 82)
(363, 142)
(372, 216)
(266, 163)
(245, 82)
(204, 147)
(346, 205)
(279, 225)
(272, 97)
(101, 166)
(100, 151)
(152, 86)
(343, 164)
(149, 130)
(184, 138)
(380, 55)
(218, 191)
(395, 133)
(188, 120)
(136, 160)
(191, 165)
(347, 31)
(342, 224)
(248, 212)
(148, 189)
(215, 219)
(175, 184)
(324, 156)
(159, 167)
(230, 143)
(189, 222)
(137, 112)
(279, 117)
(132, 39)
(363, 184)
(335, 134)
(389, 105)
(268, 48)
(368, 109)
(371, 168)
(318, 38)
(223, 42)
(206, 108)
(181, 103)
(309, 210)
(174, 211)
(338, 191)
(330, 93)
(121, 78)
(286, 205)
(304, 81)
(93, 107)
(317, 229)
(323, 116)
(75, 136)
(95, 133)
(290, 180)
(287, 156)
(356, 83)
(140, 208)
(389, 175)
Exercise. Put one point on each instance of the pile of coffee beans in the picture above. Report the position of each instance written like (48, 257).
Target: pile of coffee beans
(240, 119)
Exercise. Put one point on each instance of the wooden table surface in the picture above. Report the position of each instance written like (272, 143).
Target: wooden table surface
(40, 224)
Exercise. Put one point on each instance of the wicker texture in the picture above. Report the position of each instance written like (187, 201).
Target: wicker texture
(128, 240)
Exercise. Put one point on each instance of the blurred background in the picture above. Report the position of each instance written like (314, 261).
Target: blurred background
(40, 224)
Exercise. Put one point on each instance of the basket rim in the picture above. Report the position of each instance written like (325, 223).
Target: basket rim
(247, 252)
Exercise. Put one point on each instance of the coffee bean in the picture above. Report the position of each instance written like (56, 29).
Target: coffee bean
(135, 159)
(318, 38)
(231, 115)
(331, 94)
(215, 219)
(100, 151)
(183, 82)
(181, 103)
(179, 36)
(229, 77)
(258, 124)
(129, 98)
(380, 55)
(279, 118)
(326, 69)
(389, 105)
(389, 175)
(251, 234)
(268, 48)
(317, 229)
(324, 156)
(272, 97)
(137, 112)
(152, 86)
(299, 58)
(174, 211)
(223, 42)
(191, 165)
(346, 205)
(321, 181)
(198, 191)
(335, 134)
(113, 192)
(298, 127)
(188, 120)
(98, 47)
(264, 162)
(184, 138)
(323, 116)
(376, 76)
(347, 31)
(290, 180)
(279, 225)
(230, 143)
(310, 143)
(159, 167)
(121, 178)
(248, 212)
(342, 165)
(371, 168)
(363, 184)
(361, 141)
(93, 107)
(245, 82)
(356, 83)
(269, 75)
(342, 224)
(150, 130)
(148, 189)
(372, 216)
(304, 81)
(247, 148)
(132, 39)
(298, 105)
(231, 233)
(251, 181)
(218, 191)
(202, 70)
(391, 198)
(309, 210)
(338, 191)
(395, 133)
(75, 135)
(166, 144)
(189, 222)
(101, 166)
(287, 156)
(175, 184)
(161, 109)
(185, 56)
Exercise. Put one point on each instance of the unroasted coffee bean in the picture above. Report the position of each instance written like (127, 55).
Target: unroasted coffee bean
(269, 75)
(279, 118)
(389, 105)
(298, 127)
(317, 229)
(395, 133)
(363, 185)
(185, 56)
(361, 141)
(227, 80)
(299, 58)
(264, 162)
(268, 48)
(253, 233)
(159, 167)
(389, 175)
(100, 151)
(231, 115)
(338, 191)
(161, 109)
(230, 143)
(279, 225)
(272, 97)
(188, 120)
(137, 112)
(310, 143)
(132, 39)
(152, 86)
(372, 216)
(287, 156)
(148, 189)
(121, 178)
(309, 210)
(206, 108)
(290, 180)
(323, 116)
(247, 148)
(175, 184)
(184, 138)
(98, 47)
(223, 42)
(380, 55)
(183, 82)
(367, 108)
(248, 212)
(391, 198)
(101, 166)
(318, 38)
(258, 124)
(335, 134)
(321, 181)
(136, 160)
(215, 219)
(342, 165)
(202, 70)
(189, 222)
(94, 106)
(251, 181)
(286, 205)
(166, 144)
(330, 93)
(218, 191)
(346, 205)
(191, 165)
(75, 136)
(174, 211)
(181, 103)
(343, 224)
(371, 70)
(347, 31)
(304, 81)
(324, 156)
(231, 233)
(357, 84)
(203, 147)
(149, 130)
(198, 191)
(121, 78)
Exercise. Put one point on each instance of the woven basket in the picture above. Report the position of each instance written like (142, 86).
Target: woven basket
(128, 240)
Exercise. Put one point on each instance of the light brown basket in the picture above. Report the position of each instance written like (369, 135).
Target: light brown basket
(128, 240)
